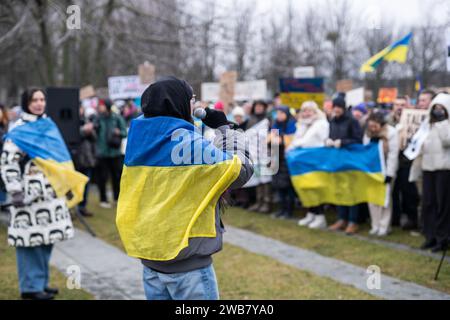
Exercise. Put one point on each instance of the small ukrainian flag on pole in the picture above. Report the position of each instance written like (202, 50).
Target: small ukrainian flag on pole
(397, 52)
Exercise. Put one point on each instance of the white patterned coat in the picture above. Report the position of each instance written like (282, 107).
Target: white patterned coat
(45, 219)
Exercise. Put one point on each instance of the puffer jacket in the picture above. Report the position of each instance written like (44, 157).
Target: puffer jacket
(436, 148)
(346, 128)
(435, 151)
(313, 135)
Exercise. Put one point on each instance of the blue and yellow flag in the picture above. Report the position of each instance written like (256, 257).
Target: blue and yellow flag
(171, 182)
(345, 176)
(395, 52)
(43, 143)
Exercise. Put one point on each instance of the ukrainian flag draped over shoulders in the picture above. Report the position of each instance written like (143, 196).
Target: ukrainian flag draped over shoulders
(347, 176)
(171, 182)
(397, 51)
(43, 143)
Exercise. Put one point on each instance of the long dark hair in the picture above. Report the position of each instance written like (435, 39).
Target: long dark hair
(27, 96)
(5, 119)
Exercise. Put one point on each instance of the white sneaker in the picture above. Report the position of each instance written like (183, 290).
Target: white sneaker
(383, 233)
(373, 232)
(307, 220)
(105, 205)
(320, 222)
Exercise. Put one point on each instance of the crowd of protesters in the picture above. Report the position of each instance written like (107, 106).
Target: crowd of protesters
(420, 197)
(419, 189)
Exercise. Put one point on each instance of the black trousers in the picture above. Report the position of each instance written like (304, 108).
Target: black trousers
(287, 200)
(405, 197)
(436, 206)
(109, 167)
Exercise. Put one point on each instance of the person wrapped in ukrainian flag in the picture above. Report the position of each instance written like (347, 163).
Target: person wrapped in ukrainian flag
(42, 184)
(168, 212)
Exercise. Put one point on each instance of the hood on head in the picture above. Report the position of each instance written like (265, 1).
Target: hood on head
(168, 97)
(442, 99)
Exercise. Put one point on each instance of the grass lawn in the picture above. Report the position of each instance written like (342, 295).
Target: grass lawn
(403, 265)
(244, 275)
(8, 276)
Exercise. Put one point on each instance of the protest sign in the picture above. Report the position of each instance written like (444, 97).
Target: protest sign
(355, 97)
(410, 122)
(125, 87)
(387, 95)
(146, 73)
(304, 72)
(296, 91)
(344, 85)
(227, 88)
(243, 91)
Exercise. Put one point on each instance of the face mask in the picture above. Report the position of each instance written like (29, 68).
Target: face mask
(439, 114)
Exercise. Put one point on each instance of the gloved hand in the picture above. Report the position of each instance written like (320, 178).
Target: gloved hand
(215, 119)
(17, 199)
(387, 180)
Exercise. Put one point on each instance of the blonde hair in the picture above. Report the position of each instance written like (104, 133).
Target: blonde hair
(311, 105)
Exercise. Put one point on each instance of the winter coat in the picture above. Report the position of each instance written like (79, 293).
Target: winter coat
(86, 153)
(389, 137)
(282, 179)
(105, 128)
(311, 135)
(45, 218)
(346, 128)
(435, 150)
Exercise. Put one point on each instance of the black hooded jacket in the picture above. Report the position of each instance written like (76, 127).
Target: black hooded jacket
(346, 128)
(171, 97)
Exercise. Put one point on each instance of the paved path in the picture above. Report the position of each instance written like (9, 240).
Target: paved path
(343, 272)
(108, 273)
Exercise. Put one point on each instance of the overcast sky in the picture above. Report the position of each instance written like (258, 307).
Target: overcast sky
(402, 12)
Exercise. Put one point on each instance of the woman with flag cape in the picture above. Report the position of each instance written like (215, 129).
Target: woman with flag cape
(42, 183)
(170, 201)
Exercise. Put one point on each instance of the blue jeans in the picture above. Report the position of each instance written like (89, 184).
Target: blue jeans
(33, 268)
(349, 214)
(199, 284)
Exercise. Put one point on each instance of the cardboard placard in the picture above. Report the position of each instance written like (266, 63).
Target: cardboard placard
(387, 95)
(410, 122)
(344, 85)
(147, 73)
(227, 88)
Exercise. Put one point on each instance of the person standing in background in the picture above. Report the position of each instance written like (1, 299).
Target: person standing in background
(39, 218)
(259, 118)
(86, 156)
(312, 131)
(281, 181)
(344, 130)
(405, 195)
(379, 131)
(425, 98)
(434, 163)
(111, 129)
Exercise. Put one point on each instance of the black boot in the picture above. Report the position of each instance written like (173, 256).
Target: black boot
(37, 296)
(428, 244)
(53, 291)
